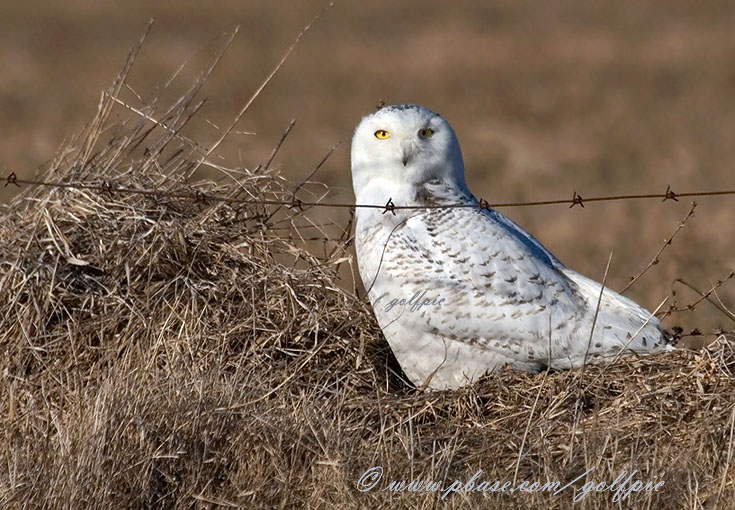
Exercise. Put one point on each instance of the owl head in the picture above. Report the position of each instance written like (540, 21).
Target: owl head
(398, 149)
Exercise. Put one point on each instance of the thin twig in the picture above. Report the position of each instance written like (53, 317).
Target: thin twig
(105, 106)
(162, 125)
(622, 350)
(703, 296)
(667, 242)
(316, 168)
(258, 90)
(279, 144)
(296, 203)
(597, 312)
(528, 426)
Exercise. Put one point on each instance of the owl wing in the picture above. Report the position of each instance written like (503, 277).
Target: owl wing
(500, 291)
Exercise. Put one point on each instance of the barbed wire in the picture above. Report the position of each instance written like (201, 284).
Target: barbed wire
(110, 187)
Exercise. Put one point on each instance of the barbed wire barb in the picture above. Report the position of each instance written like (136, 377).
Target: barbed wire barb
(669, 195)
(576, 200)
(12, 179)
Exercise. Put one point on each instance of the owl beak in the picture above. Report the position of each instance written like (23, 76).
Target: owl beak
(406, 153)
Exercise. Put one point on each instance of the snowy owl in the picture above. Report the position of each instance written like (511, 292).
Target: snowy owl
(459, 292)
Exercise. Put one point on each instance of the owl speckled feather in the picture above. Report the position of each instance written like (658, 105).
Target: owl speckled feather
(459, 292)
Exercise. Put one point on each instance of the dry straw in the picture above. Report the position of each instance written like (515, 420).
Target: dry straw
(164, 352)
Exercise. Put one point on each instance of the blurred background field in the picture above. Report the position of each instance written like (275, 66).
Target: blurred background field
(546, 97)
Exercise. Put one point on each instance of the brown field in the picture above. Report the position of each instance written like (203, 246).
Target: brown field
(173, 390)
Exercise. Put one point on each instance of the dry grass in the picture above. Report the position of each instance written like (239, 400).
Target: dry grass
(175, 353)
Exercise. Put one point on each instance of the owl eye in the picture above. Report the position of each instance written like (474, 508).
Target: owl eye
(426, 133)
(382, 134)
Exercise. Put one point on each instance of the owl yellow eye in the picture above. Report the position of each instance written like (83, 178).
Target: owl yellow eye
(382, 134)
(425, 133)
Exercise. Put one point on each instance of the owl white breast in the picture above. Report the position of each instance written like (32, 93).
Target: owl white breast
(459, 292)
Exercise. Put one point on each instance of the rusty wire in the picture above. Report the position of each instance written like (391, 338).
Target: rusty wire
(199, 196)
